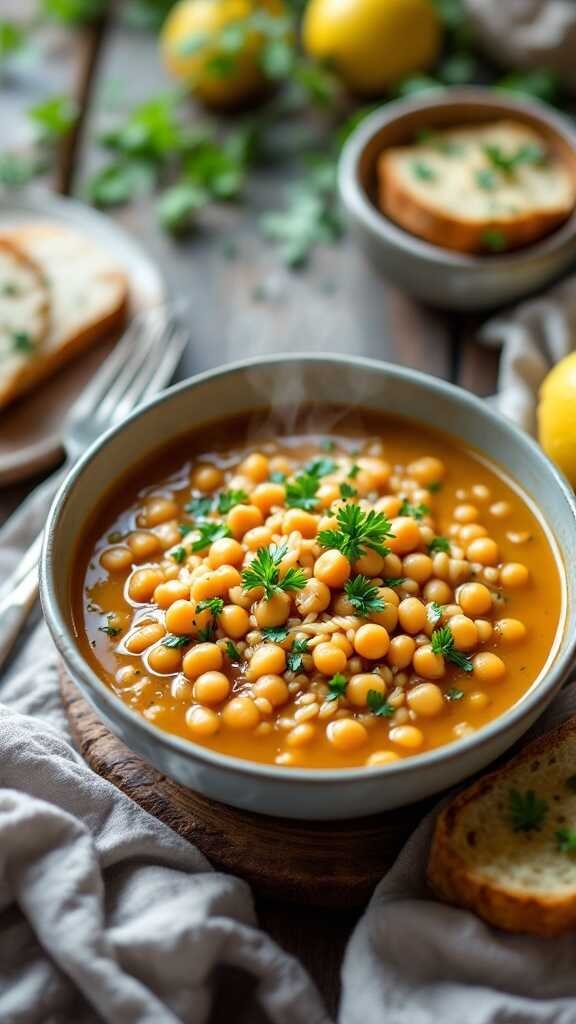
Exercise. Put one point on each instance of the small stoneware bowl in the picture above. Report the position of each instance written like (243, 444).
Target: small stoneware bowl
(443, 277)
(330, 380)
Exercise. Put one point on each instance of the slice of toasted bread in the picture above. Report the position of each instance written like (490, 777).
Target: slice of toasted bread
(24, 313)
(510, 856)
(88, 300)
(479, 189)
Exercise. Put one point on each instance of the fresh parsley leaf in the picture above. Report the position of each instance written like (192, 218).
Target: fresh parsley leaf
(357, 531)
(347, 491)
(227, 500)
(416, 511)
(434, 612)
(566, 840)
(394, 581)
(176, 642)
(530, 153)
(206, 635)
(275, 634)
(54, 117)
(422, 171)
(178, 205)
(264, 572)
(454, 693)
(178, 554)
(294, 657)
(110, 630)
(337, 686)
(320, 467)
(214, 605)
(379, 705)
(185, 528)
(443, 643)
(73, 12)
(232, 652)
(353, 471)
(538, 83)
(199, 508)
(494, 239)
(209, 532)
(364, 596)
(485, 179)
(120, 181)
(22, 342)
(439, 544)
(301, 492)
(277, 477)
(435, 486)
(311, 217)
(527, 812)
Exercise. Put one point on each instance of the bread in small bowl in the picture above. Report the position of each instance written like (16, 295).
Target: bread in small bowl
(505, 847)
(482, 188)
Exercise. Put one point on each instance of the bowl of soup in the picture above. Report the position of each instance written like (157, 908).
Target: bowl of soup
(314, 586)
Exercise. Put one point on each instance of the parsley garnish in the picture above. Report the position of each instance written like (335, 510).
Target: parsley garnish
(347, 491)
(206, 635)
(301, 492)
(264, 571)
(527, 812)
(212, 604)
(507, 163)
(275, 634)
(357, 531)
(353, 471)
(434, 612)
(422, 170)
(435, 487)
(566, 840)
(337, 686)
(443, 643)
(364, 596)
(178, 554)
(199, 508)
(172, 640)
(416, 511)
(209, 532)
(454, 693)
(394, 581)
(294, 657)
(379, 705)
(277, 477)
(485, 179)
(22, 342)
(185, 528)
(494, 239)
(320, 467)
(109, 630)
(233, 652)
(439, 544)
(227, 500)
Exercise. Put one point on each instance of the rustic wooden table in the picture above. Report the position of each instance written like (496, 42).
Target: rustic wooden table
(243, 307)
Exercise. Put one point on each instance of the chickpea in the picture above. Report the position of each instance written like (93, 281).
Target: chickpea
(207, 478)
(159, 510)
(427, 663)
(407, 736)
(215, 583)
(181, 617)
(329, 659)
(501, 509)
(365, 482)
(487, 667)
(256, 467)
(127, 676)
(441, 565)
(273, 689)
(202, 721)
(327, 493)
(389, 505)
(371, 641)
(389, 596)
(211, 688)
(117, 559)
(510, 631)
(143, 583)
(167, 593)
(464, 632)
(339, 640)
(143, 545)
(225, 551)
(412, 615)
(472, 531)
(301, 735)
(405, 535)
(514, 575)
(477, 700)
(466, 514)
(437, 591)
(426, 699)
(165, 660)
(369, 564)
(144, 637)
(267, 496)
(267, 659)
(273, 611)
(242, 518)
(417, 567)
(298, 519)
(313, 598)
(427, 470)
(332, 568)
(234, 621)
(259, 537)
(281, 464)
(241, 713)
(485, 630)
(481, 492)
(360, 685)
(474, 599)
(401, 651)
(202, 658)
(484, 550)
(388, 617)
(381, 757)
(346, 735)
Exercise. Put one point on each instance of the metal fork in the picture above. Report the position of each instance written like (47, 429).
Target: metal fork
(140, 365)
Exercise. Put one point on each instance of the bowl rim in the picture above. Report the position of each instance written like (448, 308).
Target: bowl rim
(63, 637)
(357, 202)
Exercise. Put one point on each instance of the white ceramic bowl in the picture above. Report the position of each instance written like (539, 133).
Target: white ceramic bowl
(241, 387)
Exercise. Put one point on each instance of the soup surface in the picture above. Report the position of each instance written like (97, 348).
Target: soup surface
(318, 599)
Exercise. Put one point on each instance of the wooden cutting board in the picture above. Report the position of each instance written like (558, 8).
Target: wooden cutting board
(325, 864)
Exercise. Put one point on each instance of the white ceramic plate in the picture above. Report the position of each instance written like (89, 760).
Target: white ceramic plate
(30, 430)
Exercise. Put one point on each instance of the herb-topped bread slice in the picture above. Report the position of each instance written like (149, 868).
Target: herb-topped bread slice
(87, 294)
(506, 846)
(24, 314)
(479, 189)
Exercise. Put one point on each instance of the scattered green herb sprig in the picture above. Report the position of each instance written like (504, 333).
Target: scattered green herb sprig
(378, 704)
(337, 687)
(364, 596)
(356, 532)
(264, 572)
(295, 655)
(527, 812)
(443, 643)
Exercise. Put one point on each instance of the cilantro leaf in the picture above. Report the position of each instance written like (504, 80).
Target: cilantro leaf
(454, 693)
(232, 652)
(199, 508)
(227, 500)
(443, 643)
(212, 604)
(176, 641)
(54, 117)
(110, 630)
(275, 634)
(357, 531)
(294, 656)
(415, 511)
(337, 686)
(364, 596)
(439, 544)
(378, 704)
(178, 554)
(264, 572)
(301, 492)
(209, 532)
(320, 467)
(347, 491)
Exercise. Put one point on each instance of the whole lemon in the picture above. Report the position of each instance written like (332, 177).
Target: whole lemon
(372, 44)
(214, 47)
(557, 416)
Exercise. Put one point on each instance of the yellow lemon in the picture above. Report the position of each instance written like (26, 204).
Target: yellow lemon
(214, 47)
(372, 44)
(557, 416)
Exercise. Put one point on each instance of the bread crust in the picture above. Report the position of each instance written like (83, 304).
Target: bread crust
(458, 883)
